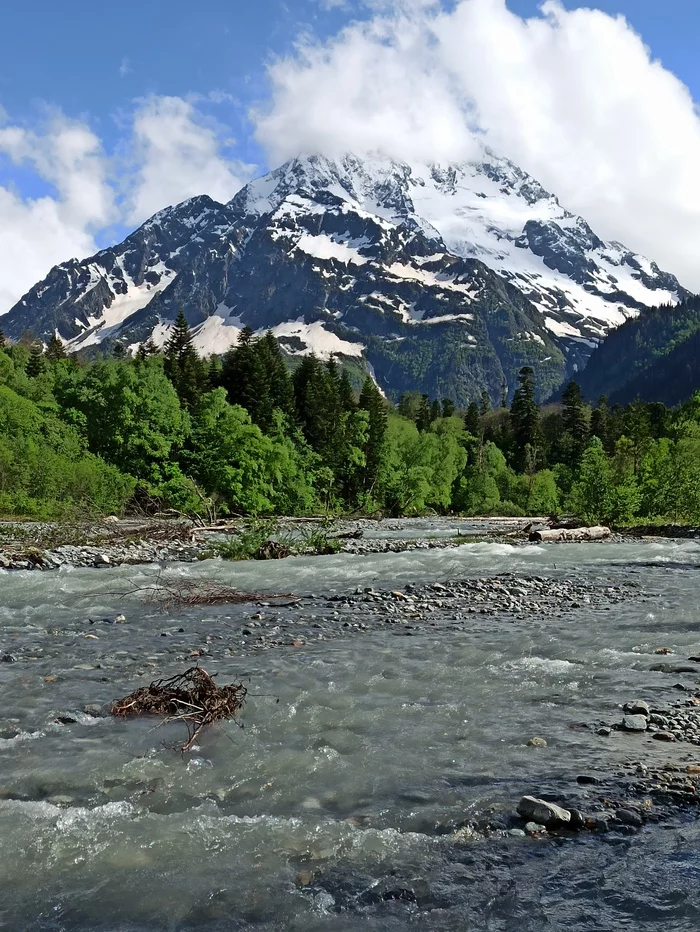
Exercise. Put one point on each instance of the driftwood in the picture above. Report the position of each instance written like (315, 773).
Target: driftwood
(563, 534)
(192, 697)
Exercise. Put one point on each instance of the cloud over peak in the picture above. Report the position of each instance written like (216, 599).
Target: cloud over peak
(572, 96)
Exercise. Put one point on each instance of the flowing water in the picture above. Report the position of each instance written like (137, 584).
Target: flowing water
(356, 755)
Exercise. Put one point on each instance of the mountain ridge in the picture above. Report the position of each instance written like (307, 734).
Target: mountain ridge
(448, 278)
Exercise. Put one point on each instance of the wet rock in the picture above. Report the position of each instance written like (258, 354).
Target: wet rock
(66, 719)
(578, 820)
(537, 743)
(634, 723)
(548, 814)
(101, 559)
(534, 828)
(637, 707)
(604, 732)
(8, 658)
(517, 832)
(305, 878)
(629, 817)
(663, 736)
(95, 710)
(585, 779)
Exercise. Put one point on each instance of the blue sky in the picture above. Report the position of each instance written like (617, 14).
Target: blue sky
(92, 59)
(109, 112)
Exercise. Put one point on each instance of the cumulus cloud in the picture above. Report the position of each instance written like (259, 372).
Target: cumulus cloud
(171, 153)
(574, 97)
(179, 155)
(36, 233)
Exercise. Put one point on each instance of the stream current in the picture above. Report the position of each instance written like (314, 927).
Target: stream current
(335, 806)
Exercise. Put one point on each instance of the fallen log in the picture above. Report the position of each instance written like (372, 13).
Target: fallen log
(565, 534)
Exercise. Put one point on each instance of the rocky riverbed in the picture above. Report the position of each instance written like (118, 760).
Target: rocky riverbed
(401, 707)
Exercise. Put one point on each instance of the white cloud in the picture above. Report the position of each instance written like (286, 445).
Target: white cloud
(179, 156)
(36, 233)
(172, 154)
(572, 96)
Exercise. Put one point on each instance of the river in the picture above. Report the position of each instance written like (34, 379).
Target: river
(338, 805)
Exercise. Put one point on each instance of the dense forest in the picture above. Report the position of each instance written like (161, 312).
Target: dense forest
(166, 430)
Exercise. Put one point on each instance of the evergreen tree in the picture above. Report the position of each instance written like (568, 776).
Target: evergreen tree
(36, 363)
(54, 349)
(472, 420)
(146, 349)
(575, 424)
(600, 426)
(277, 378)
(347, 394)
(435, 411)
(448, 407)
(504, 393)
(525, 419)
(485, 404)
(119, 351)
(424, 414)
(182, 364)
(3, 340)
(372, 402)
(246, 380)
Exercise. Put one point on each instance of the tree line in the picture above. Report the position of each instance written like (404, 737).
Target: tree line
(242, 434)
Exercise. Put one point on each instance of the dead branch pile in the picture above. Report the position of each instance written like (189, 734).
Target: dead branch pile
(191, 697)
(173, 593)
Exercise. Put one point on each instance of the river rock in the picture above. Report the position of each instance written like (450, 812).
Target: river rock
(534, 828)
(537, 743)
(629, 817)
(664, 736)
(634, 723)
(537, 810)
(637, 707)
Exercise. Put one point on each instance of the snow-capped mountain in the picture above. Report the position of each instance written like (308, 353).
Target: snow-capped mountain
(446, 279)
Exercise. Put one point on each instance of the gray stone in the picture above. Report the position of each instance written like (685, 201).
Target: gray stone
(634, 723)
(537, 810)
(517, 832)
(629, 817)
(664, 736)
(534, 828)
(637, 707)
(537, 743)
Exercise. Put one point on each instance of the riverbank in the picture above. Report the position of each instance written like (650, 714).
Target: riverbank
(46, 546)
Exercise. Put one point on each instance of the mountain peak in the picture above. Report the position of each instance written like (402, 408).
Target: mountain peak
(369, 257)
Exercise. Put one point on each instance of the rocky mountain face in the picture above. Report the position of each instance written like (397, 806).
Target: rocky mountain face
(445, 279)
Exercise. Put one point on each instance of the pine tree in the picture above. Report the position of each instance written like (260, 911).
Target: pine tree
(146, 349)
(182, 364)
(472, 420)
(372, 402)
(36, 363)
(448, 407)
(424, 414)
(525, 420)
(504, 393)
(485, 404)
(348, 402)
(575, 424)
(244, 376)
(277, 378)
(435, 411)
(119, 351)
(3, 340)
(600, 426)
(54, 349)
